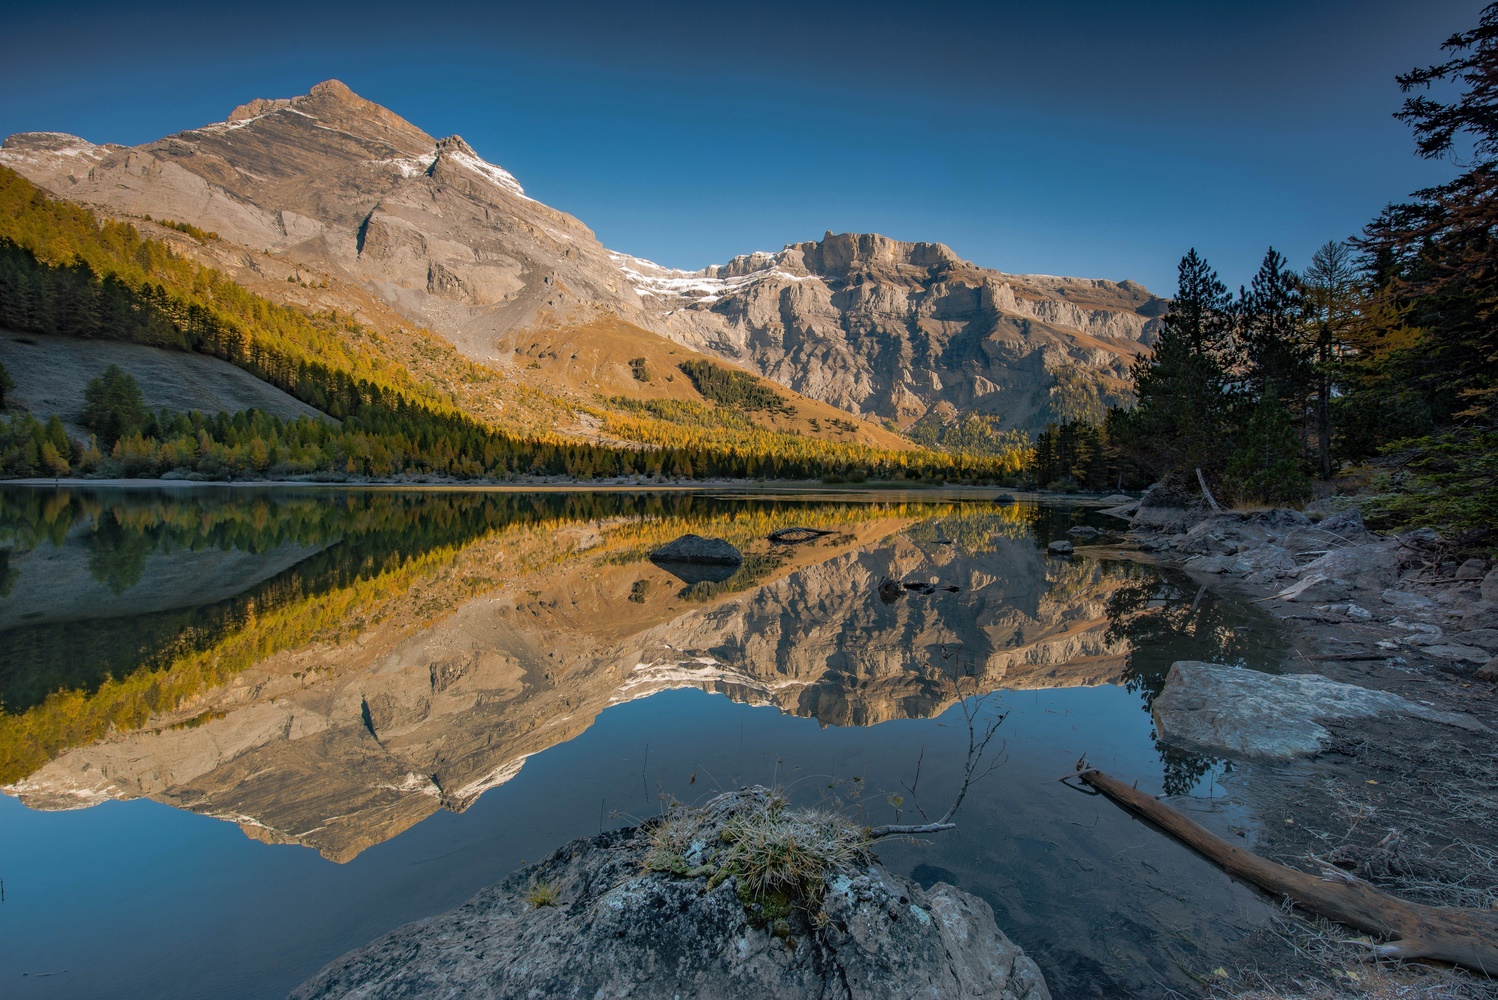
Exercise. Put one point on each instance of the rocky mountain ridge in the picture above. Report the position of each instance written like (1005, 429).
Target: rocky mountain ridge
(336, 184)
(899, 330)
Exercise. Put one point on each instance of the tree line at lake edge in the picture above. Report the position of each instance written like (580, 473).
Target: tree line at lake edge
(1382, 354)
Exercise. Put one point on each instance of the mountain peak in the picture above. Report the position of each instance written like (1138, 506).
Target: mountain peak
(336, 89)
(333, 105)
(454, 145)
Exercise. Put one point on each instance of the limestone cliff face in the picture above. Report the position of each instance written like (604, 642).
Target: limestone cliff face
(335, 183)
(340, 748)
(342, 185)
(898, 330)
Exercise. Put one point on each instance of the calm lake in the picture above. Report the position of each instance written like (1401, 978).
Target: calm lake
(244, 731)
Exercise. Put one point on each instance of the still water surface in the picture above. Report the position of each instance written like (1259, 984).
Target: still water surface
(243, 733)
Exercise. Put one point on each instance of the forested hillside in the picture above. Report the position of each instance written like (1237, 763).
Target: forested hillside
(64, 272)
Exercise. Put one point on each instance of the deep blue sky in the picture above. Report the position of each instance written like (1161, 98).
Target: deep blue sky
(1074, 137)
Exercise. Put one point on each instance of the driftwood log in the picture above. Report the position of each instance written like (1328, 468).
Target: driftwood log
(1211, 500)
(1460, 935)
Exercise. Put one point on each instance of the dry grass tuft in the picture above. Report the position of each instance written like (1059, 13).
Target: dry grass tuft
(781, 857)
(542, 894)
(1336, 965)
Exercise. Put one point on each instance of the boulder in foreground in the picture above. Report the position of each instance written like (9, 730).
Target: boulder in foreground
(668, 909)
(1244, 714)
(698, 550)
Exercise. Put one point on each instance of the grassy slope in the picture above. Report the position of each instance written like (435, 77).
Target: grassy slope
(551, 380)
(50, 374)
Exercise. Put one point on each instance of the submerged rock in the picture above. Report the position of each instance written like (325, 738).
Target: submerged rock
(654, 911)
(1244, 714)
(796, 535)
(696, 549)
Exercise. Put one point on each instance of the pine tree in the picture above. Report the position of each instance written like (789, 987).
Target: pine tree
(1425, 371)
(1331, 294)
(1435, 258)
(1267, 467)
(113, 405)
(1270, 313)
(1180, 421)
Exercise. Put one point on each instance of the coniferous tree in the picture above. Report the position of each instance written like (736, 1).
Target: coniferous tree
(1267, 465)
(1180, 421)
(1435, 258)
(1271, 391)
(1331, 291)
(1426, 374)
(6, 385)
(1270, 313)
(113, 405)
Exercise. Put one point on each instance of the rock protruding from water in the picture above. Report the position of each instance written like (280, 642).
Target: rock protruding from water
(1060, 547)
(656, 911)
(698, 550)
(796, 535)
(1244, 714)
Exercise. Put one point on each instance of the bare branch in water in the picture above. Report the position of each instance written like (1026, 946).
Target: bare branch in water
(978, 764)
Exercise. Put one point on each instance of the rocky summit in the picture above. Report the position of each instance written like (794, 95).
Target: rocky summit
(385, 217)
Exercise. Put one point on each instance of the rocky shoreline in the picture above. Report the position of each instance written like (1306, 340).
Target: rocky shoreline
(1373, 751)
(1403, 601)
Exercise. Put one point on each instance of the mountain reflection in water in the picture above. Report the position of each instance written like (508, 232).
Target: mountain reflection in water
(331, 669)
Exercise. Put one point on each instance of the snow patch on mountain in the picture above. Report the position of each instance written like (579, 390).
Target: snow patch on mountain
(55, 148)
(704, 287)
(409, 166)
(484, 168)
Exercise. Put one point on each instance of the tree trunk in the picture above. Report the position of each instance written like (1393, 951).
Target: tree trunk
(1324, 427)
(1460, 935)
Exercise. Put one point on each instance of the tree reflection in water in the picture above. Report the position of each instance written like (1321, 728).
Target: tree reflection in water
(116, 557)
(1164, 617)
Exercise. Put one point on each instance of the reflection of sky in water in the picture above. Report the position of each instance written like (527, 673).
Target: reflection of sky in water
(138, 899)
